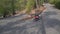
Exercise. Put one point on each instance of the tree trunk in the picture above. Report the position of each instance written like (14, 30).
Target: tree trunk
(4, 15)
(13, 7)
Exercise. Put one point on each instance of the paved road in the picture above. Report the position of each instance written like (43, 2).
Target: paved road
(22, 27)
(51, 20)
(48, 24)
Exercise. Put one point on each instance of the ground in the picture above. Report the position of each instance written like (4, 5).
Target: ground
(48, 24)
(52, 20)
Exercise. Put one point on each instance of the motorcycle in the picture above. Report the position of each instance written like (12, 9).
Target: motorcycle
(36, 17)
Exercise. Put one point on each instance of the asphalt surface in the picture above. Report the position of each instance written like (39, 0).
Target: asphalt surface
(48, 24)
(51, 19)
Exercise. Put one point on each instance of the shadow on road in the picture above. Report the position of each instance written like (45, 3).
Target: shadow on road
(52, 22)
(50, 13)
(10, 17)
(8, 27)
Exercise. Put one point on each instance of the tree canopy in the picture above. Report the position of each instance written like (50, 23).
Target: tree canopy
(8, 7)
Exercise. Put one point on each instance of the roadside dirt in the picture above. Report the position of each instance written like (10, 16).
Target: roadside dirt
(41, 9)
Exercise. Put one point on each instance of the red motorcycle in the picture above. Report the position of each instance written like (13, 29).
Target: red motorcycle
(36, 17)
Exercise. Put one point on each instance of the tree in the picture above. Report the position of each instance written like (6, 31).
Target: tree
(29, 5)
(8, 7)
(5, 7)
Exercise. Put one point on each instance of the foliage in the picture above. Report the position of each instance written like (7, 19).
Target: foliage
(29, 6)
(32, 4)
(8, 7)
(57, 4)
(5, 7)
(20, 4)
(41, 2)
(52, 1)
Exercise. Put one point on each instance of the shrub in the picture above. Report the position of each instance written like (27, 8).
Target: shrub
(57, 4)
(52, 1)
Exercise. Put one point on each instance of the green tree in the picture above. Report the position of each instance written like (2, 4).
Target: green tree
(5, 7)
(8, 7)
(30, 4)
(57, 4)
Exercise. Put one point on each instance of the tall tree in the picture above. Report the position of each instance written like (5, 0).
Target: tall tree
(5, 7)
(30, 4)
(13, 6)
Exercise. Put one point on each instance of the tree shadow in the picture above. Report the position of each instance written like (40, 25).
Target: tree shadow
(8, 29)
(50, 13)
(10, 17)
(41, 29)
(8, 26)
(12, 29)
(17, 29)
(52, 23)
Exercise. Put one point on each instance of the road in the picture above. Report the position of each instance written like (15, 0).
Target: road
(48, 24)
(51, 19)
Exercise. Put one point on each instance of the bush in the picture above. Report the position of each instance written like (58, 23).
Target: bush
(29, 5)
(52, 1)
(57, 4)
